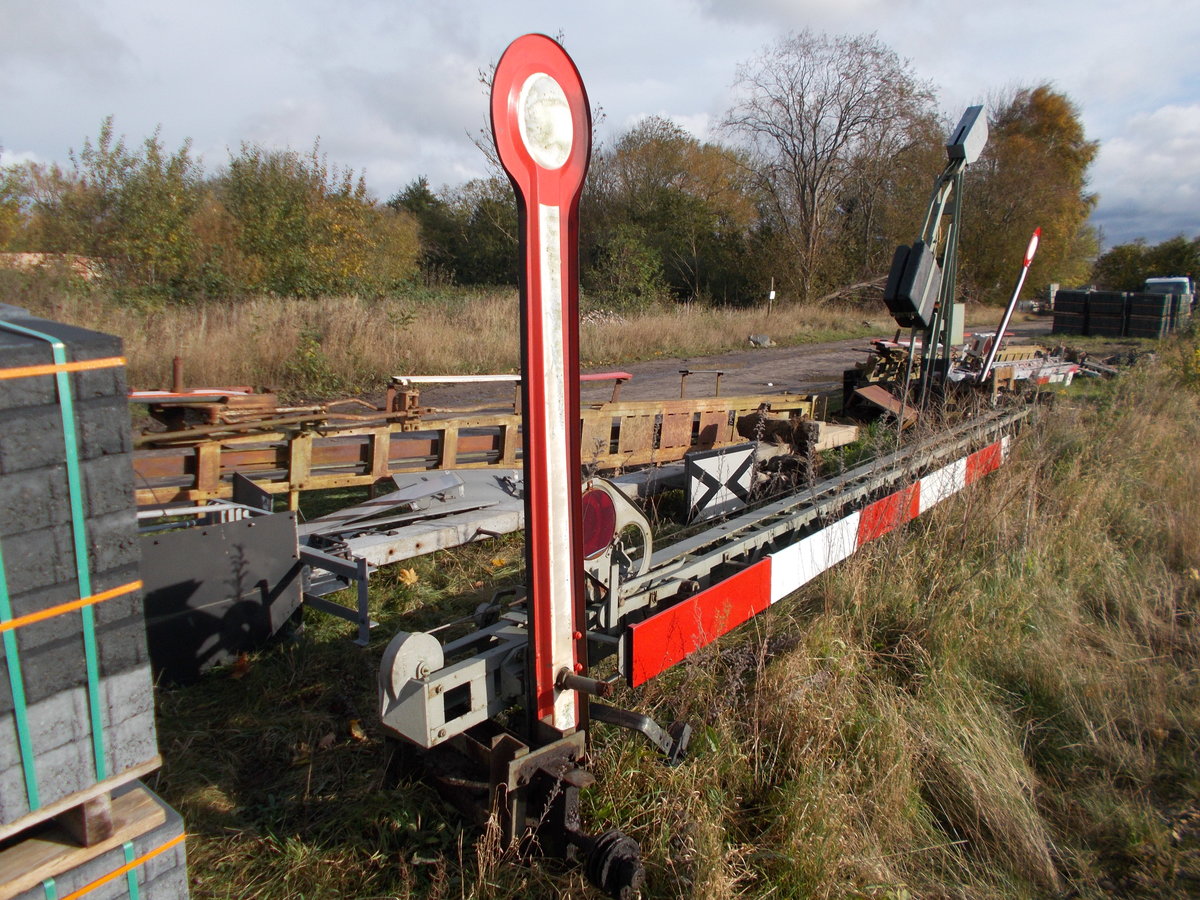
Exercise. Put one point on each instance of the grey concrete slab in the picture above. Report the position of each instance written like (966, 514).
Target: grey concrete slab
(129, 694)
(104, 425)
(35, 500)
(112, 540)
(108, 484)
(38, 559)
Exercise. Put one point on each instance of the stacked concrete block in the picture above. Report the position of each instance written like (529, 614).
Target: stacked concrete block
(40, 570)
(38, 546)
(1107, 313)
(1152, 315)
(149, 866)
(1118, 314)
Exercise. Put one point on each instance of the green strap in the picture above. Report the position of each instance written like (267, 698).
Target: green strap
(79, 533)
(50, 888)
(17, 685)
(131, 876)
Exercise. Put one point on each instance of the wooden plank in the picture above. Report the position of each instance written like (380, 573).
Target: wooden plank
(30, 862)
(778, 402)
(597, 436)
(50, 810)
(380, 442)
(878, 396)
(299, 465)
(510, 442)
(208, 468)
(715, 429)
(300, 449)
(448, 448)
(91, 822)
(652, 456)
(831, 435)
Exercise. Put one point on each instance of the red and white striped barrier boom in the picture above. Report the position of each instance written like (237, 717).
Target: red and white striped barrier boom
(670, 636)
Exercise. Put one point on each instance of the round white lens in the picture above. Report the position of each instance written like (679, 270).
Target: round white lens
(544, 117)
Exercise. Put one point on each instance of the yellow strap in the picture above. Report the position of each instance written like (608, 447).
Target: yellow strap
(83, 365)
(53, 611)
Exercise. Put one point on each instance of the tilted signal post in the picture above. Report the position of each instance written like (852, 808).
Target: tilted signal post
(922, 281)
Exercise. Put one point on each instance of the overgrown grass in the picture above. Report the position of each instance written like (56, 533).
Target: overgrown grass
(342, 345)
(999, 701)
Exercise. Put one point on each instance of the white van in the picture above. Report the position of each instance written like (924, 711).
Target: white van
(1174, 284)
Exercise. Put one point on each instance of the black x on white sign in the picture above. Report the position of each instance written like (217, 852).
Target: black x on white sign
(719, 481)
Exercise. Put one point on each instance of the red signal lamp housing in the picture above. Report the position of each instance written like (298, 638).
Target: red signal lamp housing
(599, 522)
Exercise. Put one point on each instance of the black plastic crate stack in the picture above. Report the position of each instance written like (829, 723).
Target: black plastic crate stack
(1070, 312)
(1106, 313)
(1181, 311)
(1151, 315)
(76, 695)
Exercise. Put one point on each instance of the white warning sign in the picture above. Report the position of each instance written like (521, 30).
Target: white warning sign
(719, 481)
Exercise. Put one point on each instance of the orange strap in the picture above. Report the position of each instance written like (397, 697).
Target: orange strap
(117, 873)
(53, 611)
(83, 365)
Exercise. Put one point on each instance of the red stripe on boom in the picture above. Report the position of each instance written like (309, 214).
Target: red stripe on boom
(671, 635)
(891, 512)
(981, 462)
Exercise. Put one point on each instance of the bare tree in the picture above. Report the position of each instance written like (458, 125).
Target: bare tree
(818, 112)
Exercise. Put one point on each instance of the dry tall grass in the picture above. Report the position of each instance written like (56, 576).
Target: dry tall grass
(348, 344)
(1000, 702)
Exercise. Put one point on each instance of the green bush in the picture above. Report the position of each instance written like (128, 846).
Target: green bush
(274, 221)
(628, 275)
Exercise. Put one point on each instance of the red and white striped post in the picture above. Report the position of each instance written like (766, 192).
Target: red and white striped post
(543, 129)
(1012, 304)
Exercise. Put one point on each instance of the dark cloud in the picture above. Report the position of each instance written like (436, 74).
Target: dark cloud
(1148, 177)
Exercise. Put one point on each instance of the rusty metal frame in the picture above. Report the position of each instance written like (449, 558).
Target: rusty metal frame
(615, 436)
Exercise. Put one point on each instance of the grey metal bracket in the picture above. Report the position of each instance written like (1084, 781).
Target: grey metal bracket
(673, 741)
(345, 571)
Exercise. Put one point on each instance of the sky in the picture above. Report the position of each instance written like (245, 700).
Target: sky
(392, 89)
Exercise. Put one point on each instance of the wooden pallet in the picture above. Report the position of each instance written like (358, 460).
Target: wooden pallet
(50, 852)
(82, 810)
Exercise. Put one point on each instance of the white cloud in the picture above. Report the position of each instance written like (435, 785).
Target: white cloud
(18, 157)
(1148, 177)
(391, 85)
(54, 40)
